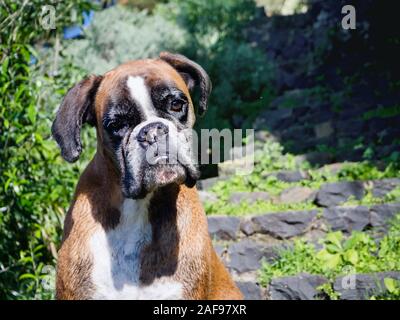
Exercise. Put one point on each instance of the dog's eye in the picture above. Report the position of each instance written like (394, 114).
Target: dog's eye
(177, 105)
(116, 127)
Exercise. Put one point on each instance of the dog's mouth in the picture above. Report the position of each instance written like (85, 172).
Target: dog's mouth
(161, 172)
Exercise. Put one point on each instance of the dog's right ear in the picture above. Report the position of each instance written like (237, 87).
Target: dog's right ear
(76, 108)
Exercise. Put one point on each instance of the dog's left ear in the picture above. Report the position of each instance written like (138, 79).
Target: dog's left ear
(193, 74)
(76, 109)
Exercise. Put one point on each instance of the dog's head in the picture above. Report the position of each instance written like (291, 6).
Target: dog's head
(143, 113)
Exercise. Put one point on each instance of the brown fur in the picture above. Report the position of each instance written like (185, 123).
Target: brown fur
(181, 246)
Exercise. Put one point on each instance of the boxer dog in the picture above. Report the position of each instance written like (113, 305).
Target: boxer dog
(136, 228)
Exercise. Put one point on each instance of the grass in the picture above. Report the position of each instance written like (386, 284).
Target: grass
(358, 254)
(259, 207)
(223, 207)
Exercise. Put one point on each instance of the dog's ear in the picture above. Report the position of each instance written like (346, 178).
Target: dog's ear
(193, 74)
(76, 108)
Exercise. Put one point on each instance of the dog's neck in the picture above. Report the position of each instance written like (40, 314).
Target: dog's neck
(156, 206)
(102, 181)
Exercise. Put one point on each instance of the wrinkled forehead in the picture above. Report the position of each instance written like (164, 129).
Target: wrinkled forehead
(137, 82)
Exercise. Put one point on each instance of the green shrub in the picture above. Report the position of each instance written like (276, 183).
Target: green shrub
(284, 7)
(240, 73)
(119, 34)
(204, 19)
(35, 184)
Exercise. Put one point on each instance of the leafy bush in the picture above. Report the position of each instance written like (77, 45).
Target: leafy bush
(143, 4)
(204, 19)
(35, 184)
(284, 7)
(105, 45)
(240, 73)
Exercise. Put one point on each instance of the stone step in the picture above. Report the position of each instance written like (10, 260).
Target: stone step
(328, 195)
(270, 227)
(304, 286)
(243, 242)
(206, 184)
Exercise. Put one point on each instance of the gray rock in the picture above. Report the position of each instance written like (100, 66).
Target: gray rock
(352, 128)
(223, 227)
(333, 168)
(206, 184)
(246, 226)
(380, 215)
(262, 135)
(315, 158)
(333, 194)
(271, 253)
(347, 219)
(206, 196)
(245, 256)
(284, 225)
(239, 165)
(363, 286)
(300, 287)
(272, 119)
(250, 197)
(323, 130)
(291, 176)
(220, 250)
(382, 187)
(297, 194)
(250, 290)
(296, 96)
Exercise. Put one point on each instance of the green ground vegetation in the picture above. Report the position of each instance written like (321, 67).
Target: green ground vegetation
(358, 253)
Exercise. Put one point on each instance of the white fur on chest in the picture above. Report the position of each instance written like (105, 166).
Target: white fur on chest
(116, 259)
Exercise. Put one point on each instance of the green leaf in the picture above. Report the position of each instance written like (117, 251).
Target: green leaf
(6, 123)
(390, 284)
(332, 248)
(335, 238)
(4, 67)
(27, 276)
(329, 261)
(20, 138)
(351, 256)
(32, 113)
(333, 262)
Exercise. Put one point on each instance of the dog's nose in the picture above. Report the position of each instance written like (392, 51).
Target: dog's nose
(151, 132)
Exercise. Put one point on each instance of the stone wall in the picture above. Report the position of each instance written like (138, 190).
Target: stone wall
(338, 90)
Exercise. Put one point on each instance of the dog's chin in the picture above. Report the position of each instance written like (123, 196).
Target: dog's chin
(160, 175)
(164, 174)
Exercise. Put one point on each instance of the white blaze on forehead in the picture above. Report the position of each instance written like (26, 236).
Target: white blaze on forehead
(141, 95)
